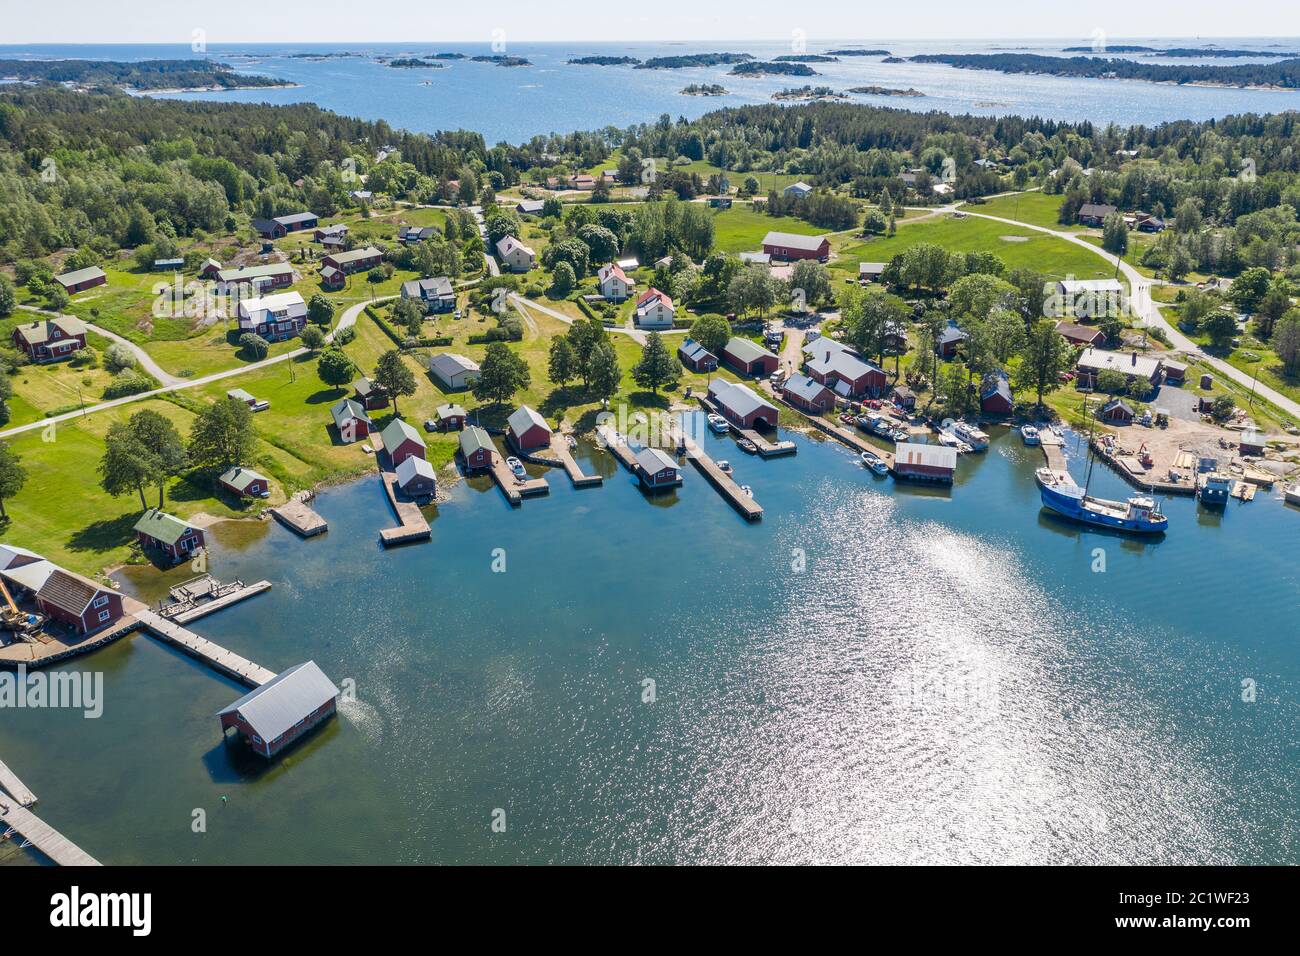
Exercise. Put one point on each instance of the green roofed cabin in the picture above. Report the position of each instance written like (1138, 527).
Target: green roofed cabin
(401, 441)
(158, 531)
(476, 448)
(246, 483)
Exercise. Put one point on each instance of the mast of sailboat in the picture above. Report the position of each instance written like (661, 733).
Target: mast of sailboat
(1087, 479)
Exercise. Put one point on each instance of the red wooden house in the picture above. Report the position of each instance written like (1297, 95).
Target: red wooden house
(282, 710)
(476, 449)
(351, 420)
(357, 260)
(749, 358)
(995, 395)
(52, 339)
(245, 483)
(81, 279)
(78, 602)
(843, 371)
(528, 430)
(656, 469)
(740, 405)
(169, 535)
(401, 442)
(696, 357)
(788, 246)
(808, 394)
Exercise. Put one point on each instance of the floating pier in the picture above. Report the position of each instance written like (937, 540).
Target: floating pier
(15, 788)
(206, 595)
(515, 489)
(845, 436)
(297, 517)
(214, 655)
(564, 455)
(41, 835)
(412, 525)
(766, 449)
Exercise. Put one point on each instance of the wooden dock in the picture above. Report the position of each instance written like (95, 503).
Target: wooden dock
(750, 509)
(412, 526)
(844, 435)
(617, 445)
(14, 788)
(214, 655)
(44, 837)
(297, 517)
(203, 609)
(1053, 446)
(564, 459)
(515, 489)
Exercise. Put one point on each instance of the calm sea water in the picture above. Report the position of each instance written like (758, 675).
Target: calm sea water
(514, 104)
(947, 679)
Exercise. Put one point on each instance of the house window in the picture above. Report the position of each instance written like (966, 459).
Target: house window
(104, 616)
(101, 601)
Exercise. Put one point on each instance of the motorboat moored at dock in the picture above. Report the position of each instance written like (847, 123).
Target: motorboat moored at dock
(1029, 434)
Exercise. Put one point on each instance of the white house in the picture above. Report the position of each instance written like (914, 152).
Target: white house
(614, 283)
(454, 371)
(654, 310)
(798, 190)
(515, 256)
(273, 317)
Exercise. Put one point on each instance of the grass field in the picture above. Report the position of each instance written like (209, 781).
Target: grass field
(1036, 208)
(1017, 247)
(741, 229)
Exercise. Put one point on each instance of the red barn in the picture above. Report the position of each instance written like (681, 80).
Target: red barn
(840, 369)
(528, 430)
(159, 531)
(995, 395)
(401, 441)
(81, 279)
(52, 339)
(740, 405)
(282, 710)
(808, 394)
(245, 483)
(788, 246)
(749, 358)
(476, 448)
(78, 602)
(351, 420)
(696, 357)
(1077, 334)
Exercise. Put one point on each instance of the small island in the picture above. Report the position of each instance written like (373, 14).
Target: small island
(693, 59)
(604, 61)
(884, 91)
(808, 94)
(449, 56)
(1117, 48)
(1282, 75)
(807, 58)
(894, 59)
(144, 76)
(768, 68)
(704, 89)
(854, 51)
(500, 59)
(410, 62)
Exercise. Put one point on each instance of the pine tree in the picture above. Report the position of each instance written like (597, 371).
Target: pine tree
(658, 366)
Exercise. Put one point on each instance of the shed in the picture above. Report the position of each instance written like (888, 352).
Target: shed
(245, 482)
(696, 357)
(168, 534)
(527, 430)
(401, 442)
(351, 420)
(416, 477)
(925, 462)
(476, 448)
(279, 712)
(451, 418)
(656, 469)
(749, 358)
(1117, 412)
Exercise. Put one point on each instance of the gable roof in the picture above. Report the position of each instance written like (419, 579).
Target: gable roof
(652, 461)
(805, 387)
(12, 556)
(743, 350)
(1095, 359)
(790, 240)
(40, 331)
(273, 709)
(294, 219)
(738, 398)
(509, 244)
(951, 333)
(80, 275)
(414, 467)
(611, 269)
(240, 477)
(996, 384)
(473, 439)
(31, 576)
(365, 388)
(931, 456)
(67, 591)
(347, 408)
(161, 526)
(524, 418)
(436, 287)
(449, 410)
(398, 431)
(694, 351)
(271, 303)
(254, 272)
(840, 362)
(449, 363)
(652, 294)
(1100, 210)
(354, 255)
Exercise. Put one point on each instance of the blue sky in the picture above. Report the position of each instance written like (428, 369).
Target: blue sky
(174, 21)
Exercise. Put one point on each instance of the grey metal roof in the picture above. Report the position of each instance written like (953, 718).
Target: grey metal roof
(652, 461)
(81, 275)
(524, 418)
(273, 709)
(806, 388)
(743, 350)
(790, 240)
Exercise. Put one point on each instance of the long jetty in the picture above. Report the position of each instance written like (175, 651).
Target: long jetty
(41, 835)
(214, 655)
(412, 526)
(845, 436)
(564, 459)
(726, 486)
(515, 489)
(205, 608)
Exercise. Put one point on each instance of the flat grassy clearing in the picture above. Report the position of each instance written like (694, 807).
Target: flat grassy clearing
(1054, 257)
(1036, 208)
(741, 228)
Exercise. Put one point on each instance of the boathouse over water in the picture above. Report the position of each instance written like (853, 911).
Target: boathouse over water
(279, 712)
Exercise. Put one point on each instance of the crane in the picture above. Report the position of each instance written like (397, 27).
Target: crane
(22, 623)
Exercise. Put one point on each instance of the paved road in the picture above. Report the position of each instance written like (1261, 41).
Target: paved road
(348, 318)
(1148, 310)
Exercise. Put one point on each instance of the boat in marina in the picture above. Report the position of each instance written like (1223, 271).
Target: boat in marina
(724, 466)
(747, 446)
(875, 463)
(1139, 514)
(1213, 488)
(1029, 434)
(719, 424)
(1291, 494)
(978, 440)
(952, 441)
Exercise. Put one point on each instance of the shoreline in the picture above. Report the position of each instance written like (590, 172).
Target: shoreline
(287, 85)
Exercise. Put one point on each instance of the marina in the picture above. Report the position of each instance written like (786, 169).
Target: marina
(514, 488)
(206, 595)
(411, 523)
(736, 495)
(561, 456)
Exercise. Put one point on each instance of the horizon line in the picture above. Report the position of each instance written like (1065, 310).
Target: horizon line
(775, 39)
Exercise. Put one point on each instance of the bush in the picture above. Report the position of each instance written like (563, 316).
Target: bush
(129, 383)
(254, 346)
(118, 358)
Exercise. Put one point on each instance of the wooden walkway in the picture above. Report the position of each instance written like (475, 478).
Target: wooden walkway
(561, 450)
(413, 527)
(297, 517)
(44, 837)
(214, 655)
(617, 445)
(515, 489)
(1053, 446)
(750, 509)
(217, 604)
(14, 788)
(768, 449)
(847, 436)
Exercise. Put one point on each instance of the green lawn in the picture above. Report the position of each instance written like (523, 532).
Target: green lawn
(1015, 246)
(1036, 208)
(741, 229)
